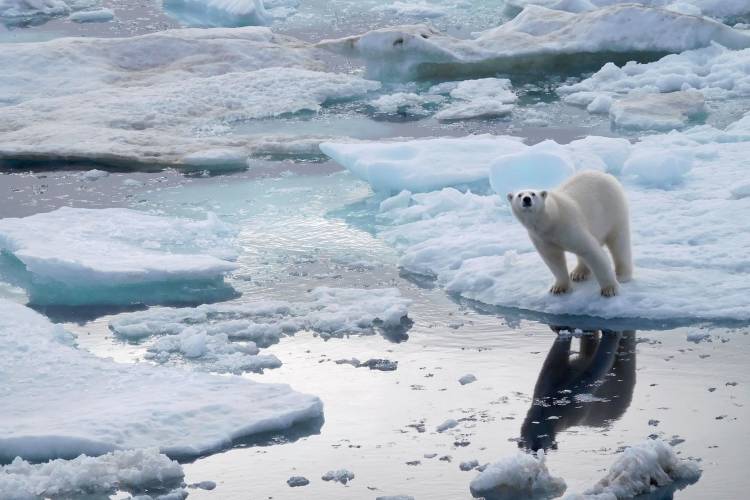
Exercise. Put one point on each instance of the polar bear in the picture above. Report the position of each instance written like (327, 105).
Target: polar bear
(585, 212)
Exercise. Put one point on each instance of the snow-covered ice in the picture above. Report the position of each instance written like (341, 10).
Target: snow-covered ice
(157, 99)
(721, 9)
(523, 475)
(207, 13)
(642, 469)
(227, 337)
(536, 38)
(84, 475)
(92, 16)
(116, 256)
(679, 186)
(31, 12)
(124, 406)
(407, 103)
(482, 98)
(663, 112)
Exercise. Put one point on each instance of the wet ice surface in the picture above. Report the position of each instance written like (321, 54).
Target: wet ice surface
(671, 387)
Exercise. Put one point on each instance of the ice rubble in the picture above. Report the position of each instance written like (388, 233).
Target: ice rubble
(681, 186)
(721, 9)
(482, 98)
(523, 475)
(642, 469)
(27, 12)
(102, 475)
(226, 337)
(537, 37)
(101, 406)
(159, 99)
(115, 255)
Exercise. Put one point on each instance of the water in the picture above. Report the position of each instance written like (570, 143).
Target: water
(297, 232)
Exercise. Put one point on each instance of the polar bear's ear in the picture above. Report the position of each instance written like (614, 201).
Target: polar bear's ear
(510, 196)
(544, 194)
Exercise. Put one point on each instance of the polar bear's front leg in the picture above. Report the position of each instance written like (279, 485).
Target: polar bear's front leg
(554, 257)
(598, 261)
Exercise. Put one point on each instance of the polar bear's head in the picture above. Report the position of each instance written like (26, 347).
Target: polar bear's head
(528, 202)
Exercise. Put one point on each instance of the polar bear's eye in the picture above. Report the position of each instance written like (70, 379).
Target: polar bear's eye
(533, 194)
(519, 195)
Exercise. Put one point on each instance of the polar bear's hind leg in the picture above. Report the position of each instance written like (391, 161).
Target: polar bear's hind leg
(581, 272)
(619, 246)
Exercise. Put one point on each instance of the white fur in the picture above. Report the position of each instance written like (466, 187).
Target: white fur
(585, 212)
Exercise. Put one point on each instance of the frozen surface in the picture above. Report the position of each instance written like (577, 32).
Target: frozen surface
(643, 469)
(658, 111)
(536, 38)
(115, 255)
(520, 476)
(128, 469)
(124, 406)
(161, 99)
(207, 13)
(30, 12)
(713, 8)
(227, 337)
(680, 189)
(482, 98)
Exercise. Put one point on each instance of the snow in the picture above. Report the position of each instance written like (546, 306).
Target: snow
(680, 190)
(32, 12)
(116, 255)
(714, 71)
(170, 98)
(92, 16)
(642, 469)
(657, 111)
(131, 469)
(227, 337)
(342, 476)
(124, 406)
(523, 475)
(421, 165)
(535, 38)
(209, 13)
(482, 98)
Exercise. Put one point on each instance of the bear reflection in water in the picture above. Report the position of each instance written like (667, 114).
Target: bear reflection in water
(592, 388)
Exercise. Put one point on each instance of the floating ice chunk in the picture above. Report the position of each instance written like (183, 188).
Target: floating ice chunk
(660, 171)
(93, 175)
(30, 12)
(657, 111)
(534, 168)
(116, 255)
(643, 469)
(448, 424)
(412, 9)
(102, 475)
(698, 337)
(611, 150)
(407, 103)
(226, 337)
(521, 476)
(124, 405)
(342, 476)
(92, 16)
(533, 39)
(715, 71)
(721, 9)
(297, 481)
(467, 379)
(601, 104)
(468, 465)
(483, 98)
(422, 165)
(209, 13)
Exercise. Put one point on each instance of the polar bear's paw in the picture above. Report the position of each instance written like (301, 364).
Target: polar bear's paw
(579, 275)
(559, 288)
(609, 291)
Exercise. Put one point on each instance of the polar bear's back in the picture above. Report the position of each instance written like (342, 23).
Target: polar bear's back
(601, 201)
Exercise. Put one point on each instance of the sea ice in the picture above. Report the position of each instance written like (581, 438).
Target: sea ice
(482, 98)
(342, 476)
(78, 256)
(657, 111)
(537, 38)
(721, 9)
(227, 337)
(210, 13)
(448, 424)
(679, 187)
(640, 470)
(92, 16)
(467, 379)
(123, 406)
(102, 475)
(521, 476)
(413, 9)
(31, 12)
(169, 98)
(407, 103)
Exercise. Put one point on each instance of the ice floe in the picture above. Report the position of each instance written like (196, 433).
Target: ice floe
(413, 9)
(523, 475)
(680, 186)
(77, 256)
(642, 469)
(101, 406)
(482, 98)
(92, 16)
(31, 12)
(538, 38)
(132, 470)
(663, 112)
(159, 99)
(721, 9)
(209, 13)
(227, 337)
